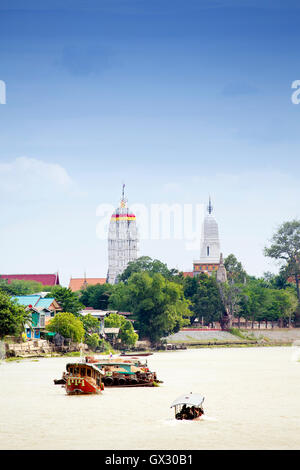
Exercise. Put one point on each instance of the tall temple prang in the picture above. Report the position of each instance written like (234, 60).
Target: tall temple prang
(122, 240)
(210, 245)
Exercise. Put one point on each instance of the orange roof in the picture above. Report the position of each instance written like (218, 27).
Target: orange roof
(79, 282)
(188, 274)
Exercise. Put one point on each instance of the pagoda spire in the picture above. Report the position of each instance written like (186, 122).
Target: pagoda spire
(123, 200)
(209, 207)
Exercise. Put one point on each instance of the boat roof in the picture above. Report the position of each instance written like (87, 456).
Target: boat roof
(84, 364)
(192, 399)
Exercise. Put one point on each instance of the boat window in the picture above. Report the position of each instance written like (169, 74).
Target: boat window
(71, 370)
(76, 370)
(82, 371)
(88, 372)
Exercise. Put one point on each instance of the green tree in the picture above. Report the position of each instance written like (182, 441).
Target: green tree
(147, 264)
(20, 287)
(234, 269)
(282, 306)
(96, 296)
(120, 298)
(90, 324)
(203, 293)
(12, 316)
(158, 305)
(255, 301)
(126, 333)
(285, 247)
(92, 341)
(67, 299)
(67, 325)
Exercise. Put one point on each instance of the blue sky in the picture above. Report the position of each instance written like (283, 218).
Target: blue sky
(178, 99)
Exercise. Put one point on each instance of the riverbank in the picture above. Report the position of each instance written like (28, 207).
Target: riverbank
(184, 339)
(234, 338)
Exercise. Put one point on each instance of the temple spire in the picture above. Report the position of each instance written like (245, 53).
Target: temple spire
(209, 207)
(123, 200)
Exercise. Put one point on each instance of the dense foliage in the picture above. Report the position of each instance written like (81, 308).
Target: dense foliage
(158, 305)
(67, 299)
(12, 316)
(126, 334)
(20, 287)
(96, 296)
(285, 247)
(67, 325)
(205, 299)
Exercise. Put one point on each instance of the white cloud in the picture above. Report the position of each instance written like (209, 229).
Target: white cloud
(27, 177)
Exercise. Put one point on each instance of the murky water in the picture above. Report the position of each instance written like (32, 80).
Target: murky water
(252, 401)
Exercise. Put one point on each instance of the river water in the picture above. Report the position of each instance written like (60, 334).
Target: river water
(252, 401)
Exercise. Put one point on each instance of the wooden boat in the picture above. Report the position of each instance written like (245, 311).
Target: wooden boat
(125, 372)
(136, 355)
(81, 378)
(188, 406)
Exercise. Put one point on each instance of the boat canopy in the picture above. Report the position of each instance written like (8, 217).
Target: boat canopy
(192, 399)
(83, 364)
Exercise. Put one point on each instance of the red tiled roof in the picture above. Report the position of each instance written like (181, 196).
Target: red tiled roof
(45, 279)
(77, 283)
(188, 274)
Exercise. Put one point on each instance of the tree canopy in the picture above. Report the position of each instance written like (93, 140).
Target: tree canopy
(96, 296)
(67, 299)
(20, 287)
(158, 305)
(147, 264)
(234, 269)
(285, 247)
(204, 295)
(67, 325)
(12, 316)
(126, 333)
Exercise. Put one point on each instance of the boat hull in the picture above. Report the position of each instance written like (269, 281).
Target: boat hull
(81, 386)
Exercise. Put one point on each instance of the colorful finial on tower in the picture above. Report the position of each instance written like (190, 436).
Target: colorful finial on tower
(123, 200)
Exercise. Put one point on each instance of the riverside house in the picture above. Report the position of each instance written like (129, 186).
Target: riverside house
(41, 309)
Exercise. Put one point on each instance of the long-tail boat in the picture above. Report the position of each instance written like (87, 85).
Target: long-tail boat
(188, 406)
(81, 378)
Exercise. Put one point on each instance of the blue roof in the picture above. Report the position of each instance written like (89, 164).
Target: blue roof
(34, 300)
(45, 303)
(26, 299)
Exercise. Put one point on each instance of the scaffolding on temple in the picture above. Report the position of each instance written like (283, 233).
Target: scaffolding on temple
(122, 240)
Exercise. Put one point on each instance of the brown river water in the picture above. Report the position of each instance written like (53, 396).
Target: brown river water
(252, 401)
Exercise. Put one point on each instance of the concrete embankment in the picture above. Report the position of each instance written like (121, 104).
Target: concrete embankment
(198, 337)
(38, 347)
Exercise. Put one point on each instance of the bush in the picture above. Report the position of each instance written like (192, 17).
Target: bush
(92, 341)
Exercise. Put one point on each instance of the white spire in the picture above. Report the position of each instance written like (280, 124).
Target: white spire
(210, 243)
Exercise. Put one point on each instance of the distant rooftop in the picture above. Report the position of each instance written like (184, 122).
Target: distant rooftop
(78, 283)
(45, 279)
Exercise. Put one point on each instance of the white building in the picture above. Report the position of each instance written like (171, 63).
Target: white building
(122, 240)
(210, 245)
